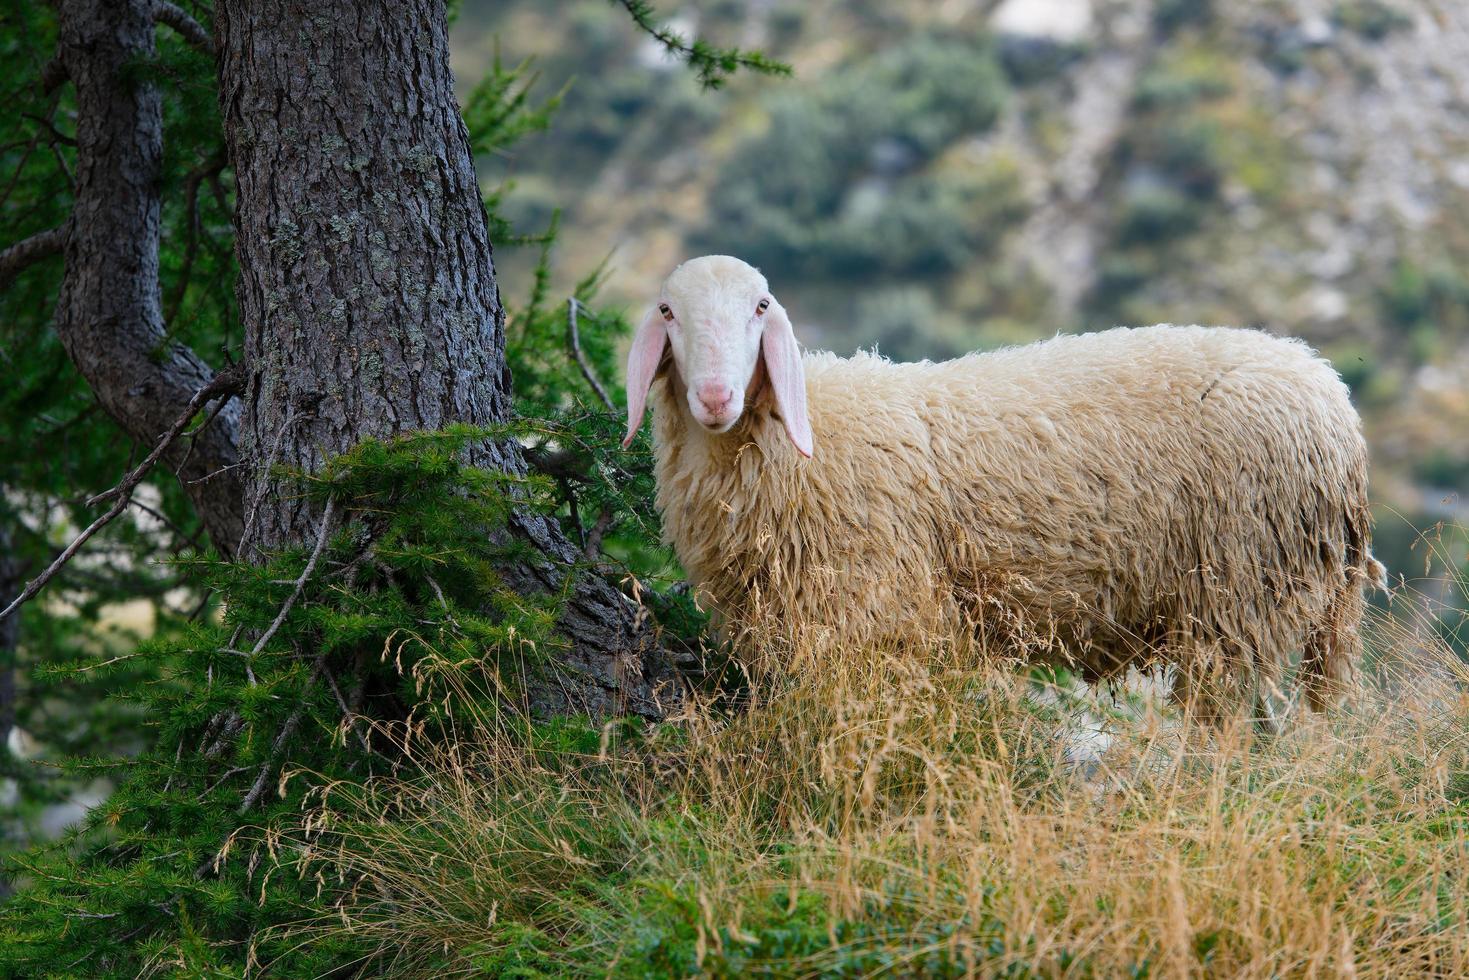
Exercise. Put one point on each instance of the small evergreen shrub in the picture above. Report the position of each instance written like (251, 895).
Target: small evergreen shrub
(842, 181)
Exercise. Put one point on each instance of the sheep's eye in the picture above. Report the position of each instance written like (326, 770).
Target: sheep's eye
(761, 307)
(667, 313)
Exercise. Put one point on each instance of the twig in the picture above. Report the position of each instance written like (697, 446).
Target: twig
(57, 136)
(278, 746)
(348, 715)
(220, 781)
(573, 340)
(178, 754)
(224, 383)
(280, 617)
(62, 165)
(161, 518)
(187, 27)
(594, 537)
(442, 601)
(193, 435)
(214, 473)
(275, 452)
(24, 254)
(193, 617)
(31, 144)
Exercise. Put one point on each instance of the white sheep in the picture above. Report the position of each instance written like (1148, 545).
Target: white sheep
(1187, 495)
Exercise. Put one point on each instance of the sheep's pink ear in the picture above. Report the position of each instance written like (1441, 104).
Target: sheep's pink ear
(787, 376)
(642, 366)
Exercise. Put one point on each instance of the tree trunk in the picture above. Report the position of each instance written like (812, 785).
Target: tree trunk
(109, 311)
(368, 290)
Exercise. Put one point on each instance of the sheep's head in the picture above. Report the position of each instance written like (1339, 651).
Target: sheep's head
(718, 321)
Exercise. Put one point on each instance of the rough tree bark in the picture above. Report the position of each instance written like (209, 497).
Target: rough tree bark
(368, 290)
(109, 313)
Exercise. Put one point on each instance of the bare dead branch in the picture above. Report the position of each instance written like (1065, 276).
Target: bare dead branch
(195, 433)
(193, 32)
(278, 746)
(220, 781)
(57, 136)
(211, 475)
(24, 254)
(573, 341)
(62, 165)
(161, 518)
(280, 617)
(225, 384)
(349, 716)
(599, 529)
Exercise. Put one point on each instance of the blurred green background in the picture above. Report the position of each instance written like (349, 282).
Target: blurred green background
(941, 176)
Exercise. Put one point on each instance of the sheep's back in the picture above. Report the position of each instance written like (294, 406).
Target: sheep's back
(1118, 487)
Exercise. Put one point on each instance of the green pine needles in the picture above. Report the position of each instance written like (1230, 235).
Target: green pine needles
(398, 613)
(247, 689)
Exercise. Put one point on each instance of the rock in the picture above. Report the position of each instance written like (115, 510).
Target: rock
(1062, 22)
(1326, 304)
(1316, 32)
(891, 157)
(20, 744)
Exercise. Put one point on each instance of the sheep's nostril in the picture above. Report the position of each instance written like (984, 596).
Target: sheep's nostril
(715, 397)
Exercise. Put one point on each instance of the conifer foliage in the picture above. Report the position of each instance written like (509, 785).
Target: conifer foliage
(436, 570)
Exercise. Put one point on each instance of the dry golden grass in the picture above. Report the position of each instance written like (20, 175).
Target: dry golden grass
(878, 816)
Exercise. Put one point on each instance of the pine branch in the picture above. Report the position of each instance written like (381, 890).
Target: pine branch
(285, 610)
(24, 254)
(277, 748)
(714, 65)
(225, 384)
(573, 340)
(193, 32)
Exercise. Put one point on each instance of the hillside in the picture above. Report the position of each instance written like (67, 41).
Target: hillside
(950, 175)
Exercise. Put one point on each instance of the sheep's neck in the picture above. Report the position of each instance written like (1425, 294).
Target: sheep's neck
(720, 447)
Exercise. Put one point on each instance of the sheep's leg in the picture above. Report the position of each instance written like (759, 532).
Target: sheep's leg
(1331, 648)
(1196, 687)
(1270, 709)
(1215, 680)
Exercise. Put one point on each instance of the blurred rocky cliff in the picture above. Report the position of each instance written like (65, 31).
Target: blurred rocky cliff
(949, 175)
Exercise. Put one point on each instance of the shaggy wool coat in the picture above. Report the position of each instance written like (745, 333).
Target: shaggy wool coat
(1186, 494)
